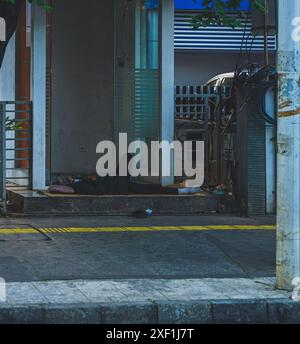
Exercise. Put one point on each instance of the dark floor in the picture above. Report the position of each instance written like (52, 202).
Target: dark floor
(163, 255)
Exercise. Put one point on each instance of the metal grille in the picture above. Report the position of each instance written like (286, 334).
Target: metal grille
(146, 108)
(216, 37)
(16, 147)
(194, 102)
(198, 113)
(137, 103)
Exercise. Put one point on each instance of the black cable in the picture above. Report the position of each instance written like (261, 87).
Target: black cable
(251, 46)
(242, 44)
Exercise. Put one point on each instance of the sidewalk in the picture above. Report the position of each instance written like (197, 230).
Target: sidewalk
(203, 301)
(202, 269)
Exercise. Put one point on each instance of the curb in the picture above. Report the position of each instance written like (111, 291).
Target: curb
(276, 311)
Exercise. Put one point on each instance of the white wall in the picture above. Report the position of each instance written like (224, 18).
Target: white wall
(7, 73)
(7, 88)
(82, 90)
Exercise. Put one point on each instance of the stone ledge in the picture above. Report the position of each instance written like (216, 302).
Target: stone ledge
(190, 312)
(33, 204)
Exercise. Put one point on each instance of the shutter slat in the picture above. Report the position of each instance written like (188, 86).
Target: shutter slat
(216, 37)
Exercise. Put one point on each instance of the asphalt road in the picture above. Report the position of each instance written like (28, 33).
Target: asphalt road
(152, 254)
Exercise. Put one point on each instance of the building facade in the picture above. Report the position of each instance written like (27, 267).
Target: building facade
(91, 73)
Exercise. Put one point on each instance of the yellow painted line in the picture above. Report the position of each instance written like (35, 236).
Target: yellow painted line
(241, 227)
(167, 228)
(255, 227)
(15, 231)
(62, 230)
(138, 229)
(201, 228)
(195, 228)
(270, 227)
(82, 230)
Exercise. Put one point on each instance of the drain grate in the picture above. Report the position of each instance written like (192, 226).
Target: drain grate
(21, 232)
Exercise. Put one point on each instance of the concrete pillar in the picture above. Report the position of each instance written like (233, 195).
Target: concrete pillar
(167, 87)
(38, 91)
(271, 140)
(288, 232)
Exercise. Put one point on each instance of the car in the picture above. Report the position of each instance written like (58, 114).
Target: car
(225, 79)
(222, 80)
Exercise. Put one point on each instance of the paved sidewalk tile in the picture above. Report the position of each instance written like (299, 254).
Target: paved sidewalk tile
(59, 292)
(146, 290)
(100, 291)
(24, 293)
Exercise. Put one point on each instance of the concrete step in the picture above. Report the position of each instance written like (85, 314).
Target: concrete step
(34, 203)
